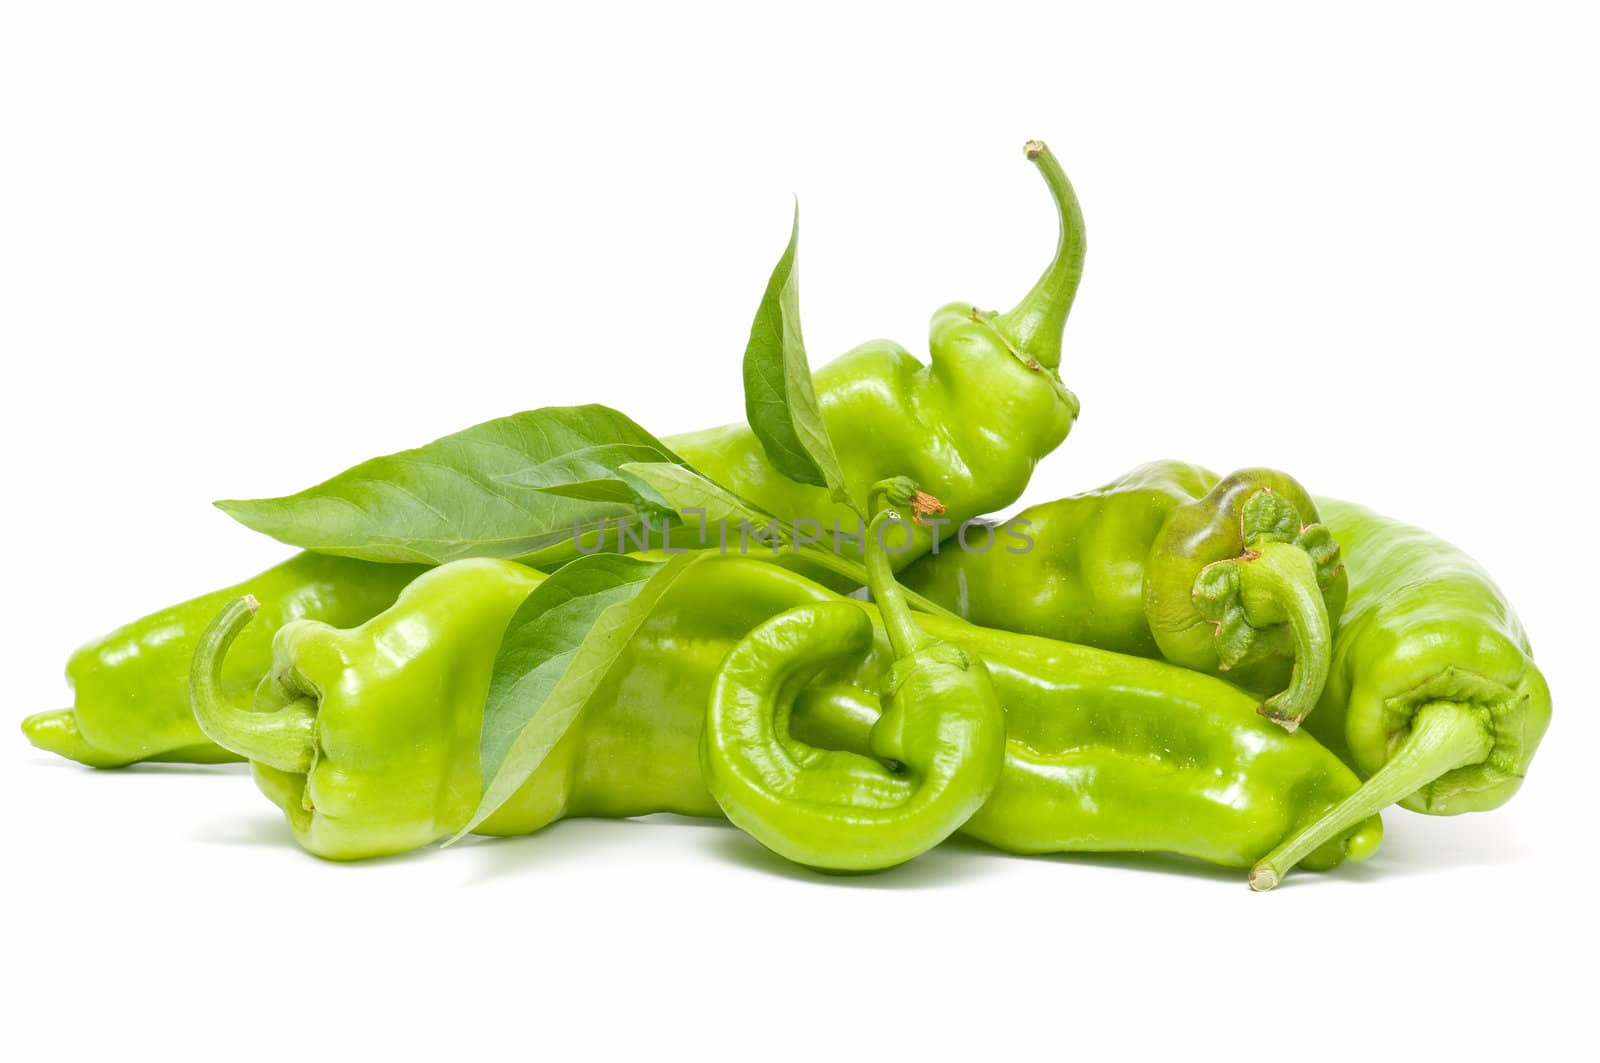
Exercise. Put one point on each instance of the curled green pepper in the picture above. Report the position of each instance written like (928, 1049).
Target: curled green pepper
(1434, 694)
(1232, 576)
(942, 730)
(969, 426)
(131, 687)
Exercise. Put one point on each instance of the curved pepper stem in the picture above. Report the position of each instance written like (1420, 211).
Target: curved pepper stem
(1034, 326)
(282, 739)
(1445, 735)
(1278, 580)
(1279, 586)
(899, 491)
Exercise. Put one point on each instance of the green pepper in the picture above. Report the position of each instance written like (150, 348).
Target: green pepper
(1111, 753)
(131, 687)
(1433, 696)
(1090, 734)
(1231, 577)
(969, 427)
(1104, 752)
(367, 738)
(942, 729)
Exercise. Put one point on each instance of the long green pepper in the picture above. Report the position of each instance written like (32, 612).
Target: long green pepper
(1433, 696)
(131, 687)
(1231, 576)
(969, 427)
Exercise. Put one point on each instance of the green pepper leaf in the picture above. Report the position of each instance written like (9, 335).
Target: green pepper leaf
(554, 656)
(698, 500)
(779, 400)
(596, 474)
(450, 499)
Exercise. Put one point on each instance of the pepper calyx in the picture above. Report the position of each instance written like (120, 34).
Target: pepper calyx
(1256, 602)
(1268, 517)
(935, 656)
(1064, 394)
(1217, 598)
(1492, 704)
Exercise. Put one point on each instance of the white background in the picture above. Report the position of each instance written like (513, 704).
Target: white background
(244, 246)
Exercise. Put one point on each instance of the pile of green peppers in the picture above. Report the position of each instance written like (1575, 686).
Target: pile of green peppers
(1226, 668)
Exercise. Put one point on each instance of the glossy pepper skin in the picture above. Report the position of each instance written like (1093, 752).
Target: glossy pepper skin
(1111, 753)
(935, 753)
(1089, 735)
(636, 749)
(131, 687)
(1434, 695)
(367, 737)
(968, 427)
(1232, 576)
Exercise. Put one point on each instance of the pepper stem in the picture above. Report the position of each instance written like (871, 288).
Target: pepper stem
(281, 739)
(904, 634)
(1445, 735)
(1035, 325)
(1279, 586)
